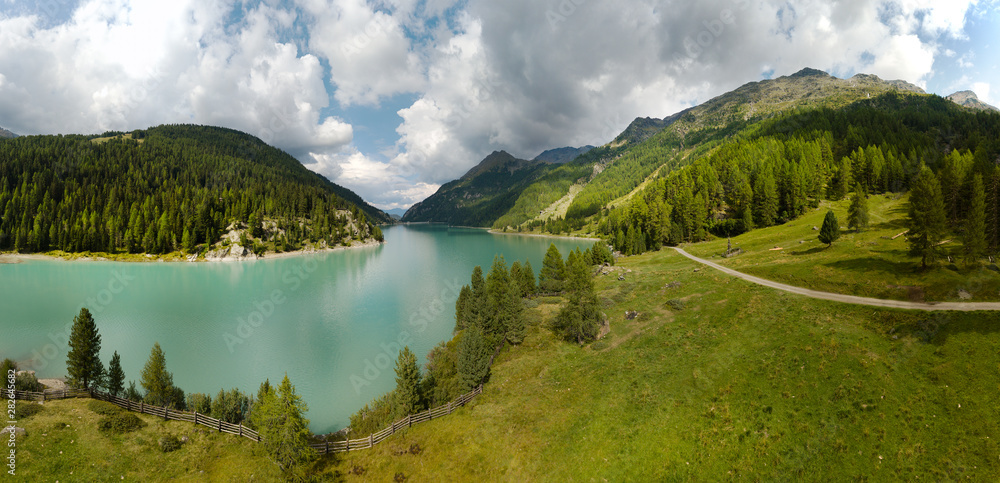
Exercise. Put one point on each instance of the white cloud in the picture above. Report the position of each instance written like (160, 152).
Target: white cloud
(519, 75)
(122, 65)
(381, 184)
(982, 90)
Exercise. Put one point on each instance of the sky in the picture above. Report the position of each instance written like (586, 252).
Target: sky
(393, 98)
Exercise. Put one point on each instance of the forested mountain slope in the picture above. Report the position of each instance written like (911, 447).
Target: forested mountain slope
(480, 196)
(164, 189)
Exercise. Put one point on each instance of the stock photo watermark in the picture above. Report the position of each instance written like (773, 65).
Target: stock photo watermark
(59, 345)
(419, 320)
(11, 457)
(264, 308)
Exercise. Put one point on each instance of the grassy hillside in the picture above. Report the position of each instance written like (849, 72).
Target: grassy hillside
(63, 444)
(718, 379)
(869, 263)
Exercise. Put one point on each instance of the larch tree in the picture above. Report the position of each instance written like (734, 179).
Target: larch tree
(927, 220)
(407, 383)
(284, 430)
(974, 238)
(550, 279)
(156, 381)
(857, 214)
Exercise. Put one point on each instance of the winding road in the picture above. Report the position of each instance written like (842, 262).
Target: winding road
(849, 299)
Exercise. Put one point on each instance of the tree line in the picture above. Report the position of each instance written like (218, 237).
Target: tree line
(490, 311)
(165, 189)
(774, 172)
(276, 413)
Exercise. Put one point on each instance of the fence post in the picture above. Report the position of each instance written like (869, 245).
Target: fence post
(449, 407)
(220, 425)
(241, 429)
(371, 440)
(409, 421)
(326, 447)
(142, 407)
(196, 418)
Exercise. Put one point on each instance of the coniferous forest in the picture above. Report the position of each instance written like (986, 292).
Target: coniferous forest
(773, 172)
(165, 189)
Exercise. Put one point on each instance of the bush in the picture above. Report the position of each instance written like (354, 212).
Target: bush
(530, 304)
(26, 409)
(169, 443)
(26, 381)
(103, 408)
(676, 305)
(121, 423)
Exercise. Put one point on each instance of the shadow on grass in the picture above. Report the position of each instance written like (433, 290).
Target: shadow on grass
(810, 251)
(870, 264)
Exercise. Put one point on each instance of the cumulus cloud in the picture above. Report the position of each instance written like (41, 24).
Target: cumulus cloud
(519, 75)
(117, 65)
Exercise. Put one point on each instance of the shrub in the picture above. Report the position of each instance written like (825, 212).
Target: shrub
(676, 305)
(27, 409)
(103, 408)
(121, 423)
(169, 443)
(26, 381)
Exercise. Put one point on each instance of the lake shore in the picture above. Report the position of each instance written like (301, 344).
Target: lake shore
(12, 258)
(542, 235)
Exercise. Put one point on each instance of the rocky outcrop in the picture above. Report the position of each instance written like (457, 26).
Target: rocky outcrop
(232, 253)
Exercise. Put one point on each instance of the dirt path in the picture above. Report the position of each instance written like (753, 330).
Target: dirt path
(849, 299)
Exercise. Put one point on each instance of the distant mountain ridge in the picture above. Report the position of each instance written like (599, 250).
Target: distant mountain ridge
(5, 134)
(562, 155)
(601, 176)
(970, 100)
(480, 196)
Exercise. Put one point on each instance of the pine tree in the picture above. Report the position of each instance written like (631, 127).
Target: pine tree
(116, 376)
(284, 431)
(926, 217)
(857, 214)
(765, 200)
(83, 361)
(830, 231)
(407, 384)
(974, 239)
(504, 317)
(157, 382)
(476, 307)
(550, 279)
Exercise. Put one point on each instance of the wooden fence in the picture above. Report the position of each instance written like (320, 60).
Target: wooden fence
(158, 411)
(240, 430)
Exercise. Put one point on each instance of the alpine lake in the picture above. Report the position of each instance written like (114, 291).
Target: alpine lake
(333, 321)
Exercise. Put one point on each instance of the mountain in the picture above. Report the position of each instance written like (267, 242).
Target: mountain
(168, 188)
(562, 155)
(482, 195)
(970, 100)
(609, 175)
(5, 134)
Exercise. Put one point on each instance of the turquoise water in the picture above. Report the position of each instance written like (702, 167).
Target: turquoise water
(332, 321)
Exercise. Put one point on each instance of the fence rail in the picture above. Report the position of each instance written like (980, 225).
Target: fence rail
(240, 430)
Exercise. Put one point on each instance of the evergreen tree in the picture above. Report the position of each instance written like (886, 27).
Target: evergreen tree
(528, 279)
(462, 307)
(550, 279)
(841, 181)
(158, 383)
(83, 361)
(504, 317)
(477, 303)
(830, 231)
(407, 384)
(473, 358)
(974, 239)
(231, 406)
(857, 214)
(766, 200)
(116, 376)
(580, 319)
(515, 278)
(284, 431)
(926, 217)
